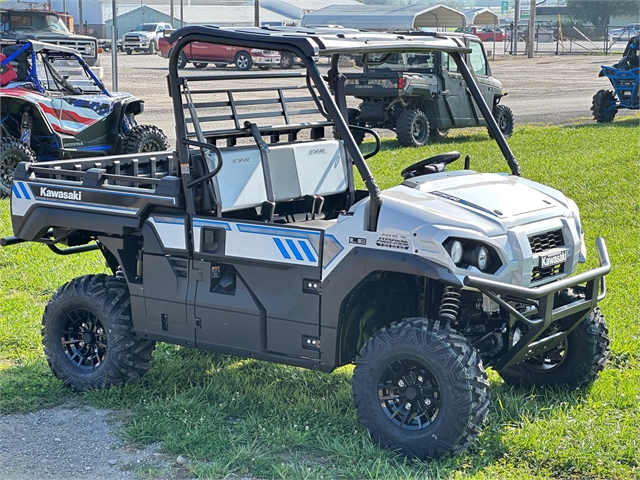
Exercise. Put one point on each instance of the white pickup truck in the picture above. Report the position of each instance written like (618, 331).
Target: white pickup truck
(144, 38)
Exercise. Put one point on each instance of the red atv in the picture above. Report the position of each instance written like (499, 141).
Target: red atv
(46, 116)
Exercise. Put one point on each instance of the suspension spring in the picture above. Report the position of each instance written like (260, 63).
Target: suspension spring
(450, 304)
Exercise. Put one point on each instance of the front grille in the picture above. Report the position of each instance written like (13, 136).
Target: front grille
(546, 241)
(81, 46)
(539, 273)
(132, 39)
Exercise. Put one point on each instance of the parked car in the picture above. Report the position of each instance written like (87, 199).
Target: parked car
(144, 38)
(202, 54)
(624, 34)
(485, 34)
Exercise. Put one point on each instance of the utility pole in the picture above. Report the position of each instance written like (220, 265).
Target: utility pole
(171, 13)
(531, 34)
(114, 48)
(514, 32)
(256, 13)
(80, 19)
(181, 13)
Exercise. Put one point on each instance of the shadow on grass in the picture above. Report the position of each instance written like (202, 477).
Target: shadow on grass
(624, 122)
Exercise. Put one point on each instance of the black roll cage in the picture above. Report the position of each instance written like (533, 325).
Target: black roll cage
(307, 43)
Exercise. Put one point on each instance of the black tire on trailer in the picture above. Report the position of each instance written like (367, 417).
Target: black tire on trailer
(152, 47)
(145, 138)
(12, 152)
(182, 60)
(601, 106)
(438, 133)
(88, 334)
(575, 363)
(243, 61)
(504, 119)
(129, 51)
(412, 128)
(200, 65)
(264, 67)
(286, 60)
(353, 115)
(420, 388)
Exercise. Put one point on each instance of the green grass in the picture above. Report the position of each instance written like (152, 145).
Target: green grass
(232, 417)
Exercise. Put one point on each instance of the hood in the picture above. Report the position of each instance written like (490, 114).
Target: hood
(491, 203)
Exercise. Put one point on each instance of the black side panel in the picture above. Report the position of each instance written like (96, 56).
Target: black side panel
(165, 282)
(345, 277)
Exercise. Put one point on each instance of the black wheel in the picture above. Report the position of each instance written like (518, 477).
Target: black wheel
(603, 106)
(128, 50)
(420, 388)
(152, 48)
(12, 152)
(575, 363)
(412, 128)
(200, 65)
(286, 60)
(182, 60)
(353, 115)
(438, 133)
(87, 334)
(243, 61)
(504, 119)
(145, 138)
(221, 65)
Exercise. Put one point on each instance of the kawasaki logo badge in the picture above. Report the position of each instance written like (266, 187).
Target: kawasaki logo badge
(555, 259)
(60, 194)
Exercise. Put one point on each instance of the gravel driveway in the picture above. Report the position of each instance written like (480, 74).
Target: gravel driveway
(68, 442)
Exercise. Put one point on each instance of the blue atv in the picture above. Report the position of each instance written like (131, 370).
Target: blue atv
(625, 78)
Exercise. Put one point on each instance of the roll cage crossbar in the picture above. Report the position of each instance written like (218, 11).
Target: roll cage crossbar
(52, 52)
(307, 43)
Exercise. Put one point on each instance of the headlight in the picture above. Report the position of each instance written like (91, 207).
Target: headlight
(256, 50)
(454, 248)
(89, 49)
(471, 253)
(480, 257)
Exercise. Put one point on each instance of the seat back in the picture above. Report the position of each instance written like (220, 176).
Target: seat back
(289, 171)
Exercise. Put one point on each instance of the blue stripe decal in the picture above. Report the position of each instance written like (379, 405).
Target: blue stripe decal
(199, 222)
(277, 231)
(283, 250)
(168, 221)
(25, 192)
(294, 249)
(15, 191)
(307, 251)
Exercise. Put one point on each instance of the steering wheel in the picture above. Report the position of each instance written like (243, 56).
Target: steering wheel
(436, 164)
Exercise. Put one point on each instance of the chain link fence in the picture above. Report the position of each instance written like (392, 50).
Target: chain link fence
(567, 39)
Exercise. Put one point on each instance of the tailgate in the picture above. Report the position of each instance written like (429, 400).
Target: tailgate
(378, 84)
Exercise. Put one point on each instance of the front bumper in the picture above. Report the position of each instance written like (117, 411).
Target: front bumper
(540, 313)
(266, 60)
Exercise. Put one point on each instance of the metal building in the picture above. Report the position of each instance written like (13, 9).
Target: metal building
(297, 8)
(196, 15)
(386, 17)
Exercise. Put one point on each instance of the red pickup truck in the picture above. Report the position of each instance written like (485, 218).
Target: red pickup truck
(202, 54)
(485, 34)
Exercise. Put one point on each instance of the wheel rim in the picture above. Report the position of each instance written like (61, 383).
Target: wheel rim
(8, 167)
(84, 339)
(150, 146)
(242, 62)
(409, 395)
(551, 359)
(285, 61)
(419, 130)
(504, 123)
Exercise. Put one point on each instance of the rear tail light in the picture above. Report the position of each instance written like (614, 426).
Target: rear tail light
(402, 82)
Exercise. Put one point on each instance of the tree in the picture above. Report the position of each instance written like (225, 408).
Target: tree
(599, 12)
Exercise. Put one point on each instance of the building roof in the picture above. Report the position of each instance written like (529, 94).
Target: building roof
(313, 5)
(481, 16)
(386, 17)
